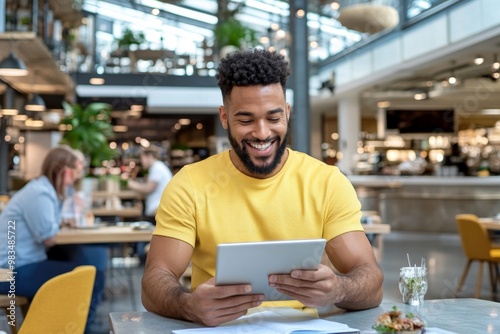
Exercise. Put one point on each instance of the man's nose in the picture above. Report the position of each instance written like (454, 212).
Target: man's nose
(262, 130)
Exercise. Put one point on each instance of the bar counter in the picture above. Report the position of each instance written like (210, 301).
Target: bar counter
(427, 203)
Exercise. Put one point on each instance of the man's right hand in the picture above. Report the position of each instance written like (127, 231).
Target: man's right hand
(212, 305)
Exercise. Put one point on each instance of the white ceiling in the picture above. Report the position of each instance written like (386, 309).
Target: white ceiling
(473, 91)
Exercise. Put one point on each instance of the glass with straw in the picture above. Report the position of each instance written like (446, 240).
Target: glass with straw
(413, 283)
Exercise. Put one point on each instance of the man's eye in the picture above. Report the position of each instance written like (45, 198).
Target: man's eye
(245, 121)
(274, 120)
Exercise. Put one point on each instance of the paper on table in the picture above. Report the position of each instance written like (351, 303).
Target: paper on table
(279, 320)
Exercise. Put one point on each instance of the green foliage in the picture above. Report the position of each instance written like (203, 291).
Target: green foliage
(228, 30)
(232, 32)
(180, 146)
(129, 37)
(89, 131)
(26, 21)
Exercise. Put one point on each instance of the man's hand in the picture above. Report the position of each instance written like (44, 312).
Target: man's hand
(132, 184)
(358, 285)
(313, 288)
(213, 305)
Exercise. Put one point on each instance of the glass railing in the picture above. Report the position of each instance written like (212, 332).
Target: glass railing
(179, 40)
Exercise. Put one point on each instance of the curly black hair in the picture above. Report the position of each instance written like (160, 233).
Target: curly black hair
(250, 68)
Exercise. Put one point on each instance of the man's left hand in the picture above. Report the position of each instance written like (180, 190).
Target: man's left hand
(313, 288)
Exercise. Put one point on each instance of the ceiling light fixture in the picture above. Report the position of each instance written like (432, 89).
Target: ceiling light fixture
(383, 104)
(120, 128)
(12, 66)
(452, 80)
(35, 103)
(496, 64)
(9, 112)
(21, 116)
(97, 81)
(34, 123)
(420, 96)
(64, 127)
(478, 60)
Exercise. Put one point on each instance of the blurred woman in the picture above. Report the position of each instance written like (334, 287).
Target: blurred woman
(34, 214)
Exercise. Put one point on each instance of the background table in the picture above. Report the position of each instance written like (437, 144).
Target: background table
(490, 223)
(458, 315)
(128, 234)
(134, 212)
(104, 234)
(375, 233)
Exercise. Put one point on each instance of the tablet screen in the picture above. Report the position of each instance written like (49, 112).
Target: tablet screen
(252, 262)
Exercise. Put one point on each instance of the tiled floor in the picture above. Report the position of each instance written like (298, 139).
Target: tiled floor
(443, 254)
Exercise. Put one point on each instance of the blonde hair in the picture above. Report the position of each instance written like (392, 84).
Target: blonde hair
(54, 164)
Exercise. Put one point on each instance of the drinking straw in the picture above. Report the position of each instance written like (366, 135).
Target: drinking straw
(408, 256)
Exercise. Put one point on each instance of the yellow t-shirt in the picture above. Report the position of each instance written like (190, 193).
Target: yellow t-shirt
(211, 202)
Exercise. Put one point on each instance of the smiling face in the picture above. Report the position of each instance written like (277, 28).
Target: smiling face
(256, 118)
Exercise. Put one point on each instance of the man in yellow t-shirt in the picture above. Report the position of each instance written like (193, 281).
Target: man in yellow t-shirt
(258, 190)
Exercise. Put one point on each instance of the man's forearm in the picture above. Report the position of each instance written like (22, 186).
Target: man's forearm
(362, 288)
(143, 188)
(162, 293)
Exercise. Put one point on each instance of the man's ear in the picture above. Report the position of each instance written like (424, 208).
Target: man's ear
(288, 110)
(223, 116)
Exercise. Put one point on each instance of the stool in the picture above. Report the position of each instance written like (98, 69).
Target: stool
(5, 302)
(20, 303)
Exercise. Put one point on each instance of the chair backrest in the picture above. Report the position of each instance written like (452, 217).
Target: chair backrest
(475, 240)
(61, 305)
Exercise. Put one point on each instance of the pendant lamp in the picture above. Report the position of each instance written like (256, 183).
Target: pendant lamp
(12, 66)
(35, 103)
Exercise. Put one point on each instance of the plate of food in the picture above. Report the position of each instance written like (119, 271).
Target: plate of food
(394, 322)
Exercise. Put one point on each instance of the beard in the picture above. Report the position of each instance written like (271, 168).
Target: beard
(242, 153)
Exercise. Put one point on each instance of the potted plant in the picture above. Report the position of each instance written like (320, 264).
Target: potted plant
(89, 130)
(233, 33)
(130, 38)
(229, 32)
(26, 23)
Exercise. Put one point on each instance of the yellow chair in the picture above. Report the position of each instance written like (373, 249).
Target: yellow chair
(477, 247)
(61, 305)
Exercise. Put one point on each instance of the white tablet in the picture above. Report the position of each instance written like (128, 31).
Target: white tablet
(252, 262)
